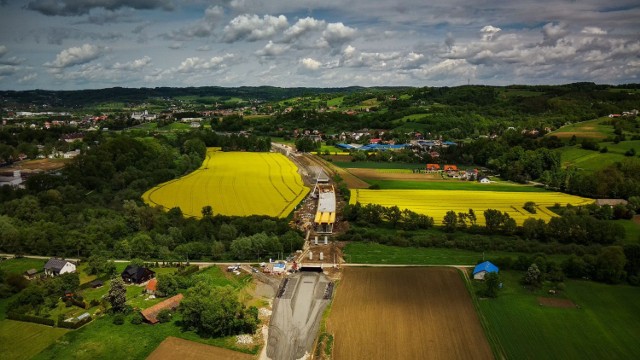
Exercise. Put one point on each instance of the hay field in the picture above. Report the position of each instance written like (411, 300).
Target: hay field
(436, 203)
(234, 184)
(405, 313)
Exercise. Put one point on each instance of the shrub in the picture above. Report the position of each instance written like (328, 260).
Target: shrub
(164, 316)
(30, 318)
(136, 319)
(530, 206)
(118, 319)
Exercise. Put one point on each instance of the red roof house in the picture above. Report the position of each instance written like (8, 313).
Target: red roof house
(450, 168)
(151, 314)
(433, 167)
(151, 287)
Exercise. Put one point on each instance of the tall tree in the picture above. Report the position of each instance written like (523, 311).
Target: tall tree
(117, 295)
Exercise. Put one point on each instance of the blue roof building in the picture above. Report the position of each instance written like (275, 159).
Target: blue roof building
(482, 269)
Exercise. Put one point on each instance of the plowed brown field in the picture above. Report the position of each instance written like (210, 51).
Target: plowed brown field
(174, 348)
(405, 313)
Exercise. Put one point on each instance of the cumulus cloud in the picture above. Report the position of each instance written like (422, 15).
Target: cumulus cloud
(8, 70)
(271, 50)
(303, 26)
(310, 64)
(447, 68)
(337, 34)
(203, 28)
(489, 32)
(252, 27)
(28, 78)
(76, 56)
(134, 65)
(593, 30)
(552, 33)
(196, 63)
(83, 7)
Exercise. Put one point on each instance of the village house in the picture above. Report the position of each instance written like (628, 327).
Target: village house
(433, 167)
(134, 274)
(55, 267)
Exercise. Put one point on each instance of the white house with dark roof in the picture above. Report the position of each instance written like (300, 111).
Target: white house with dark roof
(55, 267)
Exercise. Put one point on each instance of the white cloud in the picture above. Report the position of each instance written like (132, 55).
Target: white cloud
(252, 27)
(76, 56)
(3, 50)
(337, 34)
(310, 64)
(136, 65)
(8, 70)
(489, 32)
(593, 30)
(303, 26)
(195, 63)
(452, 68)
(272, 49)
(28, 78)
(552, 33)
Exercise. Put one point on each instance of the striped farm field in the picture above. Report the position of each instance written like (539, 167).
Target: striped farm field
(436, 203)
(234, 184)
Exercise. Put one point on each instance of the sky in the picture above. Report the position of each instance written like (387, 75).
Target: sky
(93, 44)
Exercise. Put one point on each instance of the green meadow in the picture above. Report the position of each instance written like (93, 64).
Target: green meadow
(604, 325)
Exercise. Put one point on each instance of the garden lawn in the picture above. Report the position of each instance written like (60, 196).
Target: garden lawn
(453, 185)
(23, 340)
(101, 339)
(632, 231)
(19, 266)
(605, 326)
(373, 253)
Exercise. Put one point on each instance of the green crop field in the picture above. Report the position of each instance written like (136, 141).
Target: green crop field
(373, 253)
(453, 185)
(23, 340)
(234, 184)
(437, 203)
(595, 160)
(605, 326)
(335, 101)
(594, 129)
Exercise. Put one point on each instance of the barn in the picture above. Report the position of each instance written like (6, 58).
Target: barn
(483, 268)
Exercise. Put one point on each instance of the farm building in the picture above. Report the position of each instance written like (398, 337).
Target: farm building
(433, 167)
(151, 287)
(482, 269)
(30, 274)
(151, 314)
(134, 274)
(450, 168)
(55, 267)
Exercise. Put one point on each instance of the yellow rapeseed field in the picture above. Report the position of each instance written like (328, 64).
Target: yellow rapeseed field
(234, 184)
(436, 203)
